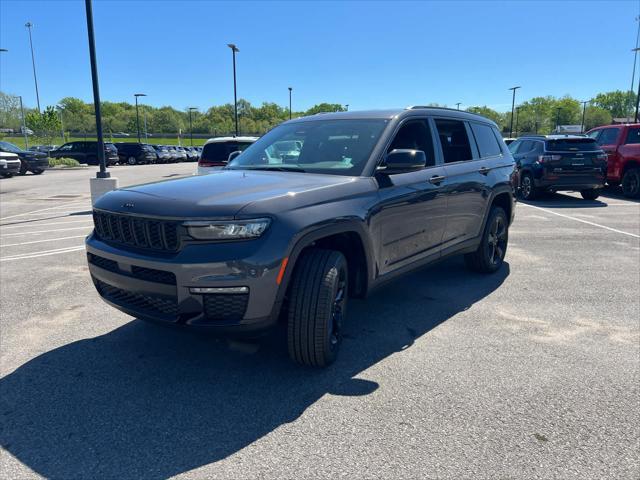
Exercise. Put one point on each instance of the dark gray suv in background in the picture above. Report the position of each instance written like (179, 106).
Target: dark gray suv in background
(367, 197)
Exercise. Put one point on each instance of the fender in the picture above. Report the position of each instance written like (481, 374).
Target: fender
(497, 190)
(317, 232)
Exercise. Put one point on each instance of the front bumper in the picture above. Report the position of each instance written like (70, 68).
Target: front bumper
(10, 168)
(159, 287)
(37, 163)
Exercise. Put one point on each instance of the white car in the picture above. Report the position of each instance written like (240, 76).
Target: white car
(215, 153)
(9, 164)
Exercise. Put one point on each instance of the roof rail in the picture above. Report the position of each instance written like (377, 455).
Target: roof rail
(415, 107)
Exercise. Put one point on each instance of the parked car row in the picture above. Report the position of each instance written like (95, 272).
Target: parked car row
(30, 161)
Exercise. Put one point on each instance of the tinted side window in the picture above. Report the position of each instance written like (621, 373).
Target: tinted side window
(633, 136)
(525, 147)
(486, 140)
(513, 146)
(594, 134)
(608, 136)
(415, 135)
(538, 147)
(454, 140)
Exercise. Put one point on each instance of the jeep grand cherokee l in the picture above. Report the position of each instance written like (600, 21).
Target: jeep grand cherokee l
(271, 236)
(559, 162)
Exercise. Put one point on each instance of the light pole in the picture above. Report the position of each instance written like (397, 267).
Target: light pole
(638, 94)
(290, 89)
(96, 92)
(29, 26)
(584, 109)
(24, 125)
(136, 95)
(146, 133)
(234, 50)
(558, 118)
(458, 105)
(513, 104)
(635, 55)
(190, 124)
(59, 108)
(517, 115)
(347, 106)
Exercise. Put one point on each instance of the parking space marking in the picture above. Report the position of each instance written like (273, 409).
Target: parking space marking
(38, 225)
(44, 210)
(41, 241)
(20, 234)
(42, 253)
(581, 220)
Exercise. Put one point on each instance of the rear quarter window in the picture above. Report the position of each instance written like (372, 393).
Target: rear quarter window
(215, 152)
(633, 136)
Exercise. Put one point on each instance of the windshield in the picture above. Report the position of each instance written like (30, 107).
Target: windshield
(9, 147)
(338, 147)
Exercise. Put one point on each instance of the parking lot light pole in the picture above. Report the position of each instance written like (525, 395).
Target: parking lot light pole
(103, 182)
(234, 50)
(290, 89)
(59, 109)
(584, 109)
(635, 50)
(29, 26)
(136, 95)
(558, 118)
(517, 115)
(347, 106)
(191, 109)
(513, 104)
(458, 105)
(24, 125)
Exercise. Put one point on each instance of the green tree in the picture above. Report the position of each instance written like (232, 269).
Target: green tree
(595, 117)
(491, 114)
(325, 107)
(45, 125)
(618, 103)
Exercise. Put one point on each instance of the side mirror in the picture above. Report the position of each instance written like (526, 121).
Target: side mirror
(233, 155)
(403, 160)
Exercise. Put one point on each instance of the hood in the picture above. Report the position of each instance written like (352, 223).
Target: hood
(31, 154)
(225, 193)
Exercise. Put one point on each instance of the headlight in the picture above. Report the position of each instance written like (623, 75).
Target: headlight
(232, 230)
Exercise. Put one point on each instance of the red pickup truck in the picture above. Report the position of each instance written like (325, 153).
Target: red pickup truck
(622, 146)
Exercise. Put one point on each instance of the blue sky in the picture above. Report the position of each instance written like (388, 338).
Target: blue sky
(365, 54)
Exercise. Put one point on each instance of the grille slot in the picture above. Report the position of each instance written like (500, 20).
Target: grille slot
(157, 235)
(153, 275)
(102, 262)
(151, 304)
(225, 307)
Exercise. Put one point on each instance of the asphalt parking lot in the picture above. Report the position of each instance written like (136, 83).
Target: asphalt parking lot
(533, 372)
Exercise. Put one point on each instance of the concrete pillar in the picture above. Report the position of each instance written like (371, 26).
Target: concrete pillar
(100, 186)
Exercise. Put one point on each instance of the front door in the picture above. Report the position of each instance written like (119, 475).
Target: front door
(411, 214)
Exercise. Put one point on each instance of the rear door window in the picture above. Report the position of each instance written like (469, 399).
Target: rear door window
(525, 147)
(633, 136)
(487, 143)
(454, 140)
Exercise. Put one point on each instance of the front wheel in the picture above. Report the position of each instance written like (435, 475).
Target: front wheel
(317, 307)
(631, 183)
(490, 253)
(37, 171)
(590, 194)
(132, 160)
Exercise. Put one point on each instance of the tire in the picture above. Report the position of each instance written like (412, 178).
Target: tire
(590, 194)
(317, 307)
(613, 184)
(37, 171)
(528, 191)
(489, 256)
(132, 161)
(7, 175)
(631, 183)
(23, 168)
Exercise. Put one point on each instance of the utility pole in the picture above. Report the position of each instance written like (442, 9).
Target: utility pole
(513, 104)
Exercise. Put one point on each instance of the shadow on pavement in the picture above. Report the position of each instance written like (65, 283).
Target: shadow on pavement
(560, 200)
(144, 401)
(616, 193)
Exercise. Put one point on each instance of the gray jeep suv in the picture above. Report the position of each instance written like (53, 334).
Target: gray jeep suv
(368, 196)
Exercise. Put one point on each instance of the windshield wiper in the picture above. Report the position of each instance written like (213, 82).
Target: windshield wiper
(265, 168)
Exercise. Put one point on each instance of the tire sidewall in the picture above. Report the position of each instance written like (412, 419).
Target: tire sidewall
(531, 194)
(495, 212)
(629, 176)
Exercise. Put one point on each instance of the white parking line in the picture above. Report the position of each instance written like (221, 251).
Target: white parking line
(41, 241)
(44, 231)
(42, 210)
(42, 253)
(38, 225)
(580, 220)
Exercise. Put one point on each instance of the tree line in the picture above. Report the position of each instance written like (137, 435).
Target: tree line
(75, 117)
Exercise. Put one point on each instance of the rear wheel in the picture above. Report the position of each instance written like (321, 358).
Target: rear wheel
(23, 167)
(631, 183)
(317, 307)
(590, 194)
(7, 175)
(132, 160)
(528, 190)
(490, 253)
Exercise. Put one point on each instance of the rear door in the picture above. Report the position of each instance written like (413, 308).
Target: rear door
(608, 141)
(465, 184)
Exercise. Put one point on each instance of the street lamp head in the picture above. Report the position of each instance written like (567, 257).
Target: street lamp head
(3, 50)
(193, 108)
(233, 47)
(514, 88)
(139, 94)
(28, 24)
(290, 88)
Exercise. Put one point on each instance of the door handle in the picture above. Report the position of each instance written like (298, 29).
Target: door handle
(436, 179)
(484, 170)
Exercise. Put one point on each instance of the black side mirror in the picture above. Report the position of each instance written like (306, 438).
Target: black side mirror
(401, 160)
(233, 155)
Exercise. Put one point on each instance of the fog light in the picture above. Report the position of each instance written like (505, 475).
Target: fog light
(219, 290)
